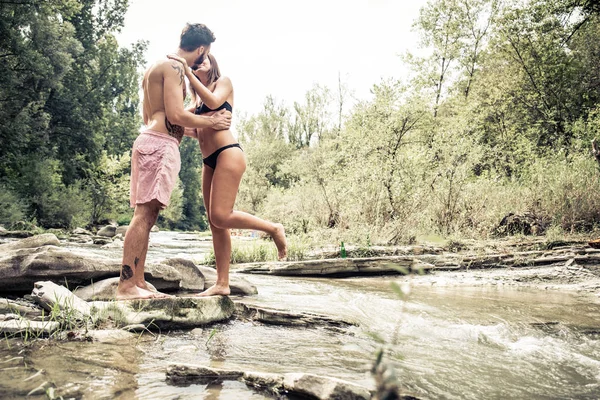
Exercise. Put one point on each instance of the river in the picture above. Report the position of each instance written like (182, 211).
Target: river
(452, 342)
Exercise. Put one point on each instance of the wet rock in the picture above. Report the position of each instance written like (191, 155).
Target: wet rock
(296, 384)
(155, 229)
(116, 336)
(107, 231)
(323, 387)
(286, 318)
(101, 290)
(46, 239)
(200, 374)
(168, 313)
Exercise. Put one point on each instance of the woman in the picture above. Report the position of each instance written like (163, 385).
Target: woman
(224, 164)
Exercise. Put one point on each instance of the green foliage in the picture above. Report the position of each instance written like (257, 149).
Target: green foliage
(258, 251)
(69, 102)
(193, 213)
(12, 208)
(171, 216)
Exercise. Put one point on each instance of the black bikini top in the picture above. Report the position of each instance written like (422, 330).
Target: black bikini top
(204, 108)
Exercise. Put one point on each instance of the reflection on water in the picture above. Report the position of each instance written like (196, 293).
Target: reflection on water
(453, 343)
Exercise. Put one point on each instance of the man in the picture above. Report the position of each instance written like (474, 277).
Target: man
(155, 159)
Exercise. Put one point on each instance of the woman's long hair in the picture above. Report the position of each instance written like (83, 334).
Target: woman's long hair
(214, 73)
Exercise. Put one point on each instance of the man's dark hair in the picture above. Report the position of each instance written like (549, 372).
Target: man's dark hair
(194, 36)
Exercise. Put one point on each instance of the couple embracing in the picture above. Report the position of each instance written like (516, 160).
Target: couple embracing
(155, 160)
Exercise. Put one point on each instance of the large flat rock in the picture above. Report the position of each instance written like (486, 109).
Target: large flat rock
(336, 267)
(22, 265)
(173, 312)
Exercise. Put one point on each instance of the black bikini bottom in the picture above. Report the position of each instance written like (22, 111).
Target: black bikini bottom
(211, 161)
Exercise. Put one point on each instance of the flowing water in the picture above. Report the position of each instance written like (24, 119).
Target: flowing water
(451, 343)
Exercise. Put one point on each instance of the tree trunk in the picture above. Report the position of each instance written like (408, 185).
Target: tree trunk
(596, 151)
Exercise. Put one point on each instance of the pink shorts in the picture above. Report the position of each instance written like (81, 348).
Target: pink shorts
(155, 164)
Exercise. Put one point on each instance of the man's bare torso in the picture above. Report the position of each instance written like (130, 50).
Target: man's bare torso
(155, 117)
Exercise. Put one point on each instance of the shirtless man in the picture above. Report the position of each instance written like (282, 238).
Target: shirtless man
(155, 159)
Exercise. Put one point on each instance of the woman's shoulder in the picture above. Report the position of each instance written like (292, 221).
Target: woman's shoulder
(224, 80)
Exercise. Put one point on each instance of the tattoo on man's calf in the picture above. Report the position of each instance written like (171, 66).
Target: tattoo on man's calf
(126, 273)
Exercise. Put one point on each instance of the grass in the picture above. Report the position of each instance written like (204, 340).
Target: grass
(261, 251)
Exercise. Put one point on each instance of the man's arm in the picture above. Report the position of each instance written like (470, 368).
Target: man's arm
(212, 99)
(173, 81)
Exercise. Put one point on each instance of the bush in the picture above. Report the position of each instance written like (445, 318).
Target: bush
(12, 208)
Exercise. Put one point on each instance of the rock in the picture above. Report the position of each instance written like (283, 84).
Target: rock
(163, 277)
(102, 240)
(16, 234)
(191, 277)
(101, 290)
(107, 231)
(22, 308)
(31, 328)
(117, 336)
(200, 374)
(338, 267)
(197, 331)
(595, 244)
(80, 239)
(49, 295)
(281, 317)
(295, 384)
(121, 230)
(115, 244)
(118, 236)
(21, 268)
(135, 328)
(525, 224)
(45, 239)
(238, 285)
(168, 313)
(323, 387)
(155, 229)
(81, 231)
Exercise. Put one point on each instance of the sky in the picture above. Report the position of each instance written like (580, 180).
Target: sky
(282, 48)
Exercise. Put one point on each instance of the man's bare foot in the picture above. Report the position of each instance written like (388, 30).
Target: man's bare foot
(280, 241)
(135, 293)
(215, 290)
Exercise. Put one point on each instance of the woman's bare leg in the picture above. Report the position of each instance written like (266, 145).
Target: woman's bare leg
(225, 183)
(221, 242)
